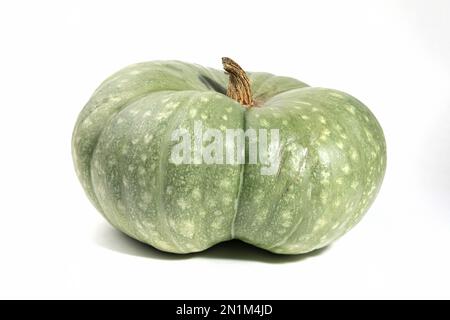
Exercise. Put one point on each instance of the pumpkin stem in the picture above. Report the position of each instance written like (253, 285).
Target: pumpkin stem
(238, 84)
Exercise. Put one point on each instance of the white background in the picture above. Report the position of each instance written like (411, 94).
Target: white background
(392, 55)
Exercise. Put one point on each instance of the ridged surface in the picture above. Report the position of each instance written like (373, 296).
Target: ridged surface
(332, 160)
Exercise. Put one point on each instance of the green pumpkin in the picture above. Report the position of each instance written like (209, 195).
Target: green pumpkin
(332, 152)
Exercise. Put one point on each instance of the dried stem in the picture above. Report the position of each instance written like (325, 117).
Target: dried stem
(239, 83)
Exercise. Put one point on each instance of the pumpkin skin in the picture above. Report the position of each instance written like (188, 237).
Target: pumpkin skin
(333, 158)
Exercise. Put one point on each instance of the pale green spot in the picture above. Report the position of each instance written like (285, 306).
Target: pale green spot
(346, 169)
(192, 112)
(264, 123)
(322, 120)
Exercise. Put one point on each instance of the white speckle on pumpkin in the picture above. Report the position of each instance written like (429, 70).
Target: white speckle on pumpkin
(264, 123)
(315, 109)
(119, 120)
(229, 109)
(346, 169)
(124, 80)
(218, 222)
(172, 104)
(354, 155)
(319, 224)
(225, 184)
(203, 116)
(225, 117)
(182, 203)
(335, 94)
(325, 174)
(222, 127)
(135, 141)
(284, 122)
(131, 168)
(287, 216)
(322, 120)
(286, 224)
(134, 72)
(324, 134)
(162, 116)
(147, 113)
(340, 145)
(196, 194)
(187, 229)
(305, 103)
(227, 200)
(192, 112)
(324, 197)
(350, 108)
(304, 117)
(101, 191)
(217, 213)
(143, 157)
(339, 180)
(147, 138)
(354, 185)
(148, 225)
(116, 99)
(163, 245)
(112, 79)
(338, 127)
(204, 99)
